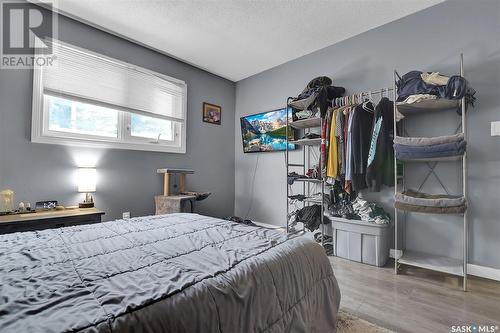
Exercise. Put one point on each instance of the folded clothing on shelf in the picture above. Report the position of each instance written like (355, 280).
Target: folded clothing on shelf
(421, 148)
(417, 98)
(311, 136)
(422, 141)
(303, 103)
(416, 198)
(419, 83)
(435, 78)
(412, 83)
(298, 197)
(293, 176)
(441, 149)
(306, 114)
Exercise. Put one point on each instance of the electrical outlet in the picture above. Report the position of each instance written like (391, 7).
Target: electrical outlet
(495, 128)
(126, 215)
(393, 252)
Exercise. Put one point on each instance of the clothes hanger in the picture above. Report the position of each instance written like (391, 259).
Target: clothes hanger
(366, 105)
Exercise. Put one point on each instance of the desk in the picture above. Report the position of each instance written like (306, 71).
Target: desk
(49, 219)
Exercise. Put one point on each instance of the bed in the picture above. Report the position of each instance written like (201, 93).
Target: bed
(167, 273)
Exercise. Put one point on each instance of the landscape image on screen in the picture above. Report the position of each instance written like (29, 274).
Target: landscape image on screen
(266, 131)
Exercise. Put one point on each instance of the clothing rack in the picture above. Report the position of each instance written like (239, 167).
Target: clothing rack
(306, 126)
(430, 261)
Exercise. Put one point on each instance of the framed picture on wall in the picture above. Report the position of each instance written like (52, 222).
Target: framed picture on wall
(212, 113)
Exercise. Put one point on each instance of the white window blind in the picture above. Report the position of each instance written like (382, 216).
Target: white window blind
(86, 75)
(88, 99)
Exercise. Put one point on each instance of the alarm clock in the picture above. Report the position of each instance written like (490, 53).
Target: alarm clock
(46, 205)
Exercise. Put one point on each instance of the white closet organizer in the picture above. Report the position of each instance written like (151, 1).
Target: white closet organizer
(424, 260)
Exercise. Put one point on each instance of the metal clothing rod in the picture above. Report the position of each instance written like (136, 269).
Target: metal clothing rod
(355, 98)
(378, 91)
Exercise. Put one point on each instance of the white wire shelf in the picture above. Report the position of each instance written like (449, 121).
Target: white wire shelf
(313, 200)
(432, 262)
(306, 123)
(414, 258)
(311, 180)
(307, 142)
(428, 105)
(308, 200)
(433, 159)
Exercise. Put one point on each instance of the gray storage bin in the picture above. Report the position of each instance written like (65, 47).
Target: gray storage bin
(364, 242)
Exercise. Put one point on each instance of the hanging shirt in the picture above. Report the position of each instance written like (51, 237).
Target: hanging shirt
(348, 155)
(347, 117)
(339, 133)
(325, 132)
(332, 150)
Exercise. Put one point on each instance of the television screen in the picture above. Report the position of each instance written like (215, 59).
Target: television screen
(266, 131)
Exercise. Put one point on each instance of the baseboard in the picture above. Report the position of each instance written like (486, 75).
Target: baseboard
(484, 271)
(472, 269)
(269, 226)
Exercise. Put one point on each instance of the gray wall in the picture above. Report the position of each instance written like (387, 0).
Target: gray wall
(127, 180)
(429, 40)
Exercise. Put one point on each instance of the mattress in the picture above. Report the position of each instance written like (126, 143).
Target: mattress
(167, 273)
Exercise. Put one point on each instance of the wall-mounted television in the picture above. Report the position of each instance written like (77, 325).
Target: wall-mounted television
(266, 131)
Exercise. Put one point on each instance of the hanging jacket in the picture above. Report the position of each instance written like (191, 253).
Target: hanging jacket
(380, 168)
(362, 123)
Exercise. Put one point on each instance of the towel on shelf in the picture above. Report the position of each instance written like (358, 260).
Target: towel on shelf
(434, 210)
(416, 198)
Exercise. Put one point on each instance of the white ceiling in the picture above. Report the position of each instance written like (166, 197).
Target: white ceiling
(239, 38)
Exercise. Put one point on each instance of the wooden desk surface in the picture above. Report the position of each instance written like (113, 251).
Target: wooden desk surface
(177, 197)
(49, 214)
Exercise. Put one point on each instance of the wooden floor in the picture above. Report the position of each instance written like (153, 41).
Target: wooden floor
(416, 300)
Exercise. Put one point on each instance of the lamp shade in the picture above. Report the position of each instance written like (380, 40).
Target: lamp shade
(86, 180)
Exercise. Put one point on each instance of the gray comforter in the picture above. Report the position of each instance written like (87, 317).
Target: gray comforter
(170, 273)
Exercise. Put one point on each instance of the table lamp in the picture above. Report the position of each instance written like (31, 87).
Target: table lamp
(87, 184)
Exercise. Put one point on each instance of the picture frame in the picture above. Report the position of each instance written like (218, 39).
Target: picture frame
(212, 113)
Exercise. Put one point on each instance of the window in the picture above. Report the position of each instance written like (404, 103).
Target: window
(81, 118)
(91, 100)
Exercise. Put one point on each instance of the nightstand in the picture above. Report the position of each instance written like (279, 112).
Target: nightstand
(49, 219)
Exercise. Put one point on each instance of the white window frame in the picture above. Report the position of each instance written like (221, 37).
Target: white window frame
(40, 132)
